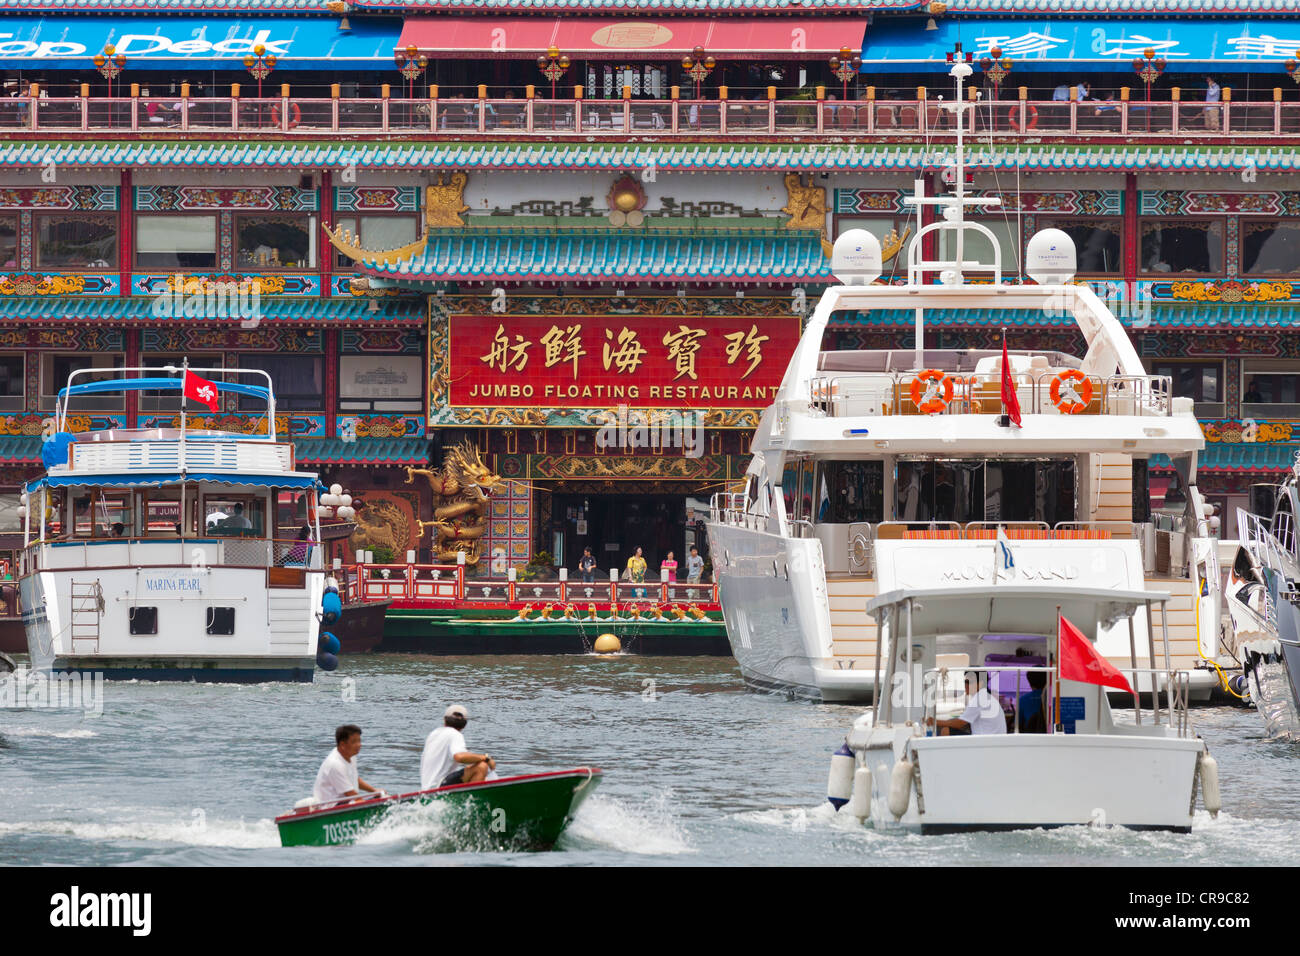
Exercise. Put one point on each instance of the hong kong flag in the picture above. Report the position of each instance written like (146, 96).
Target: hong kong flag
(201, 390)
(1080, 660)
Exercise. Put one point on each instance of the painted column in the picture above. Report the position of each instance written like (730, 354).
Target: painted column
(331, 381)
(132, 337)
(1131, 237)
(326, 218)
(125, 232)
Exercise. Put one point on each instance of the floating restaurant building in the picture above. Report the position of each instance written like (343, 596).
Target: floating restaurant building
(580, 241)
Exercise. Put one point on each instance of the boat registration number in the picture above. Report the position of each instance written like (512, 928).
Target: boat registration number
(345, 831)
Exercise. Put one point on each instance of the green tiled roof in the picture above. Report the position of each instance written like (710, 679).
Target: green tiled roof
(1162, 315)
(352, 310)
(20, 449)
(362, 451)
(1237, 456)
(666, 156)
(721, 255)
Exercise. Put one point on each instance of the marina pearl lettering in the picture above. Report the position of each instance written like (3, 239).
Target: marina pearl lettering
(172, 585)
(971, 572)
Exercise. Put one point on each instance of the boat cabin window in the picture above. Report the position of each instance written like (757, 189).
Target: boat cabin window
(103, 513)
(964, 491)
(236, 517)
(291, 514)
(851, 491)
(161, 511)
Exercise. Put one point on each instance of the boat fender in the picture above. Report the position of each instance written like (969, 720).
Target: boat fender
(839, 786)
(900, 788)
(1239, 684)
(330, 607)
(326, 661)
(860, 803)
(1210, 796)
(329, 643)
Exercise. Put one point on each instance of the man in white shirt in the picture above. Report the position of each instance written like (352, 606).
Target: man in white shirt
(983, 713)
(337, 776)
(445, 760)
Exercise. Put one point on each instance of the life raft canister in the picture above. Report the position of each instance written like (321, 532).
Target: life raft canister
(1082, 387)
(934, 405)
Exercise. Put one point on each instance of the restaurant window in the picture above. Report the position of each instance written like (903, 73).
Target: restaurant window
(377, 233)
(976, 247)
(176, 242)
(8, 242)
(1270, 248)
(275, 241)
(11, 383)
(381, 383)
(76, 241)
(1097, 243)
(1270, 389)
(296, 382)
(55, 370)
(1182, 245)
(1200, 381)
(170, 401)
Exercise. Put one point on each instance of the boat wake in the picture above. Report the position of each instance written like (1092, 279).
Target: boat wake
(76, 734)
(648, 827)
(243, 835)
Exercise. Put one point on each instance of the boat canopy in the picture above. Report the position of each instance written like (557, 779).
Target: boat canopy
(154, 385)
(1009, 608)
(173, 478)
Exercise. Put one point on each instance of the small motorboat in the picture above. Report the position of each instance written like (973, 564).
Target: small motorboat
(522, 812)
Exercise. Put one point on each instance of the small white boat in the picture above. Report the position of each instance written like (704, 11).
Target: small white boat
(1080, 767)
(173, 553)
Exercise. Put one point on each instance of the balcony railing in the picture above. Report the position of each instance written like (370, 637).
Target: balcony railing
(483, 116)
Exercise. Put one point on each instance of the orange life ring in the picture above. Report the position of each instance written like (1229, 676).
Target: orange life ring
(1031, 117)
(295, 115)
(933, 405)
(1083, 390)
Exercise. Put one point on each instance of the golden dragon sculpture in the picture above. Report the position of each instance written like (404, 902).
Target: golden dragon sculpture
(460, 512)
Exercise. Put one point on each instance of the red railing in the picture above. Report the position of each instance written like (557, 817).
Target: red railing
(434, 585)
(459, 117)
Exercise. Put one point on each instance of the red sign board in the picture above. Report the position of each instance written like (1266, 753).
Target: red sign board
(586, 361)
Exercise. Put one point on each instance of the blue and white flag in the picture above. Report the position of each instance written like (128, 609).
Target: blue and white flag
(1004, 551)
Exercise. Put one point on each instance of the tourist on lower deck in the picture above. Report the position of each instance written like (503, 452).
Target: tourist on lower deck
(636, 571)
(337, 777)
(694, 566)
(587, 566)
(669, 564)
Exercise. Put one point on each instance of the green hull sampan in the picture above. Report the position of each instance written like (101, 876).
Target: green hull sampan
(524, 812)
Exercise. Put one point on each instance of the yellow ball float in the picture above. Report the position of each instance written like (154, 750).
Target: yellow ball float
(607, 644)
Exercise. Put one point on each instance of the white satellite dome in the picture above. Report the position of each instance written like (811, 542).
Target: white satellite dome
(855, 258)
(1050, 258)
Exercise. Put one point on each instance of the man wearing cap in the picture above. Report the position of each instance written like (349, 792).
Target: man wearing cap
(445, 760)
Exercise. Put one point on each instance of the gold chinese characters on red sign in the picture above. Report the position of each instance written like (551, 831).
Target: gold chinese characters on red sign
(599, 361)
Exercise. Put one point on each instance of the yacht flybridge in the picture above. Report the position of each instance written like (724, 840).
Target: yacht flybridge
(901, 470)
(172, 553)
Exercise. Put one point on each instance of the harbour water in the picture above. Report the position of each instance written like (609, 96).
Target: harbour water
(698, 772)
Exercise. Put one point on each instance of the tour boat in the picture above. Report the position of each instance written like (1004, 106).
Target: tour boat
(528, 811)
(876, 471)
(1077, 766)
(172, 553)
(1263, 600)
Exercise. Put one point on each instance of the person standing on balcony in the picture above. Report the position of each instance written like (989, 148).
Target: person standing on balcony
(1213, 96)
(669, 564)
(694, 566)
(587, 566)
(636, 571)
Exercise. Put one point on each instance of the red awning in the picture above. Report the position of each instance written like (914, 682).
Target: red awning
(669, 38)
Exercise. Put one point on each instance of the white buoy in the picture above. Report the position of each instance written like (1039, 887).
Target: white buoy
(860, 802)
(900, 788)
(839, 786)
(1210, 795)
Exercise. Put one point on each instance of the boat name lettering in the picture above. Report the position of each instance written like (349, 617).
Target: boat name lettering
(970, 572)
(342, 832)
(172, 584)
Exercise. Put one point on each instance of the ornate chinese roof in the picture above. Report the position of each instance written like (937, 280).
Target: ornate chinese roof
(1237, 456)
(605, 254)
(1162, 315)
(664, 156)
(616, 7)
(362, 451)
(305, 310)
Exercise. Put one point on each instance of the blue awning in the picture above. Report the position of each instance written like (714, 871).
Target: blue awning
(1069, 45)
(158, 480)
(216, 43)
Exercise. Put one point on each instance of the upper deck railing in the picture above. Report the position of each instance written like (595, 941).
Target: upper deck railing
(458, 118)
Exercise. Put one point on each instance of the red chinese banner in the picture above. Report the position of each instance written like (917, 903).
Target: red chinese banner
(586, 361)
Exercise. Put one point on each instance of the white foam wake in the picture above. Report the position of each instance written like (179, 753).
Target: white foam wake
(43, 732)
(258, 834)
(648, 827)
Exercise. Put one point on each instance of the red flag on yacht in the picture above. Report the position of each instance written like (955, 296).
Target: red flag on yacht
(201, 390)
(1080, 660)
(1010, 401)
